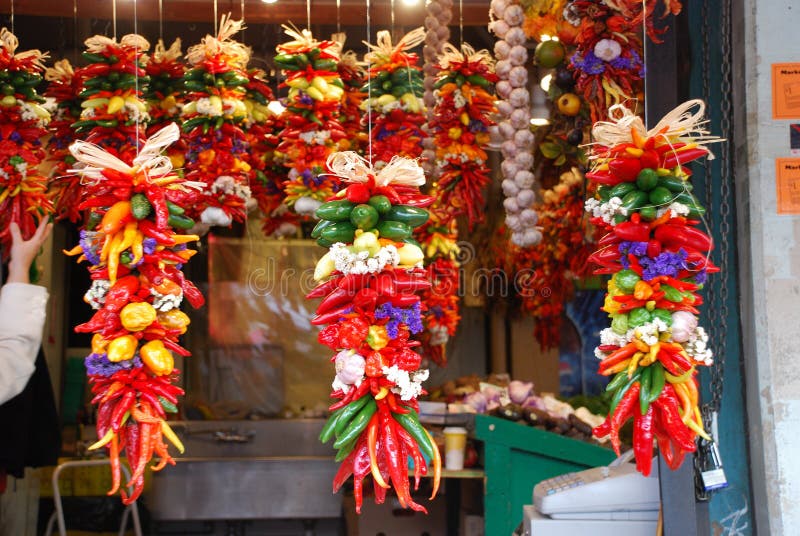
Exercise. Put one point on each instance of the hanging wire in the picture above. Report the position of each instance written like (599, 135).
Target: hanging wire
(114, 17)
(461, 21)
(75, 32)
(136, 70)
(216, 30)
(161, 19)
(241, 7)
(338, 16)
(308, 14)
(644, 61)
(12, 17)
(392, 17)
(369, 89)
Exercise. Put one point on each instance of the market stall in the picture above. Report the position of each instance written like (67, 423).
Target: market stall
(368, 248)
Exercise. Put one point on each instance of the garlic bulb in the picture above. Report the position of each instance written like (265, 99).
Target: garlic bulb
(514, 125)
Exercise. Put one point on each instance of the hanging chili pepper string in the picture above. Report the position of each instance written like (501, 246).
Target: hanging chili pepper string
(136, 71)
(161, 19)
(369, 88)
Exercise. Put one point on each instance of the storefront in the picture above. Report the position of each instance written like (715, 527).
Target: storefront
(429, 255)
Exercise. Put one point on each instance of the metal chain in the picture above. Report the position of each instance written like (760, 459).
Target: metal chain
(718, 215)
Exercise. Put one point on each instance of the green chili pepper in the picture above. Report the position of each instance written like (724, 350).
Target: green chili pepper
(622, 390)
(346, 450)
(410, 422)
(657, 382)
(626, 280)
(671, 293)
(180, 222)
(350, 411)
(646, 380)
(618, 381)
(327, 431)
(175, 209)
(357, 425)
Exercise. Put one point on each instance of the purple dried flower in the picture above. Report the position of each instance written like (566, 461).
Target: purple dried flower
(410, 316)
(99, 365)
(149, 245)
(87, 245)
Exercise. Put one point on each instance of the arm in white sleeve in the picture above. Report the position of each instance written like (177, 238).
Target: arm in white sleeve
(22, 314)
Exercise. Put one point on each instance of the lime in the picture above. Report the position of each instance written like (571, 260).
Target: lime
(549, 54)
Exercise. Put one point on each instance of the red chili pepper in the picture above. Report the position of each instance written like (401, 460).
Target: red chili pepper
(623, 412)
(124, 405)
(667, 407)
(404, 300)
(150, 230)
(331, 316)
(625, 169)
(329, 336)
(631, 231)
(323, 289)
(671, 235)
(358, 193)
(119, 295)
(674, 159)
(643, 440)
(175, 347)
(352, 332)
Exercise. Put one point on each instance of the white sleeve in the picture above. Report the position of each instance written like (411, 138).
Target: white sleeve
(22, 313)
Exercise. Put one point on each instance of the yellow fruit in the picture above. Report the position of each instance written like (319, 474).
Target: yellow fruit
(569, 104)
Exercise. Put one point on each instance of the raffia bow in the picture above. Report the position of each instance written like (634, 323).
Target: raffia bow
(211, 46)
(10, 43)
(452, 56)
(383, 50)
(162, 54)
(100, 43)
(95, 159)
(681, 124)
(351, 167)
(61, 71)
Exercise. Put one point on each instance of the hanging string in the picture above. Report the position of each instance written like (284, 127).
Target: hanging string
(75, 32)
(644, 61)
(161, 19)
(461, 22)
(308, 14)
(114, 17)
(136, 70)
(216, 30)
(338, 16)
(12, 17)
(241, 7)
(392, 19)
(369, 89)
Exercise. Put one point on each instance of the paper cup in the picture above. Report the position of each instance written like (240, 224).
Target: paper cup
(455, 443)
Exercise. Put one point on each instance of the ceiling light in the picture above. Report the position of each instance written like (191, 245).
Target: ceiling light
(269, 1)
(545, 82)
(539, 121)
(410, 3)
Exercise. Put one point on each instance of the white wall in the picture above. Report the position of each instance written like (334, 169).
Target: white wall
(770, 267)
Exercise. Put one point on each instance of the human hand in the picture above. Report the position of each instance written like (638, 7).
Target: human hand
(24, 251)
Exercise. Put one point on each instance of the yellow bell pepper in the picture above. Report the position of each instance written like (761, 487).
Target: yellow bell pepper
(122, 348)
(99, 344)
(174, 319)
(157, 358)
(137, 316)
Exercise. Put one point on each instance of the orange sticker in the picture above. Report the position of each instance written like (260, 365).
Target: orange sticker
(786, 90)
(787, 172)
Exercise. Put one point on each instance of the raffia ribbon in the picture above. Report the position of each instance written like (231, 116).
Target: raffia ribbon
(99, 43)
(61, 71)
(451, 55)
(162, 54)
(10, 42)
(95, 159)
(210, 46)
(685, 123)
(351, 167)
(383, 50)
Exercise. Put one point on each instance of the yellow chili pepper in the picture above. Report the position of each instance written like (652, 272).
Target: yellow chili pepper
(634, 363)
(184, 238)
(137, 316)
(113, 257)
(170, 434)
(128, 236)
(642, 290)
(157, 358)
(116, 217)
(122, 348)
(174, 319)
(137, 247)
(377, 337)
(651, 355)
(99, 344)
